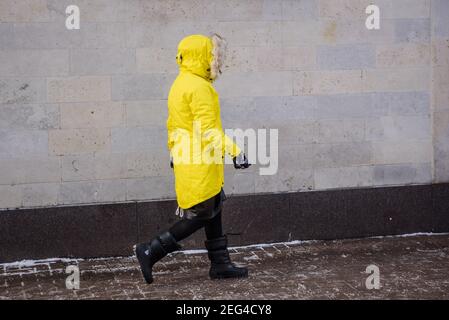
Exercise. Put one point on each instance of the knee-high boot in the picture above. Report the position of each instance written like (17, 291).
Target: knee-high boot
(150, 253)
(221, 265)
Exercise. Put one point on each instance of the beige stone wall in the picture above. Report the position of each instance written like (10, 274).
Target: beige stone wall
(440, 89)
(82, 112)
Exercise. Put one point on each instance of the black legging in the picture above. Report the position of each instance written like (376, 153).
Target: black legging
(185, 227)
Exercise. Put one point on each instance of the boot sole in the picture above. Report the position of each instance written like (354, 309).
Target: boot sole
(143, 266)
(228, 276)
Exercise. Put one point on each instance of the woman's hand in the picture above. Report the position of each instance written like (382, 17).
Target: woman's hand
(241, 161)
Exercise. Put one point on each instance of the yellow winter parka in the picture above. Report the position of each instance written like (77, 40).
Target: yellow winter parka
(195, 134)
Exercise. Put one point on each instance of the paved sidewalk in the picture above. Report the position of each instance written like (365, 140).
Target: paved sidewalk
(415, 267)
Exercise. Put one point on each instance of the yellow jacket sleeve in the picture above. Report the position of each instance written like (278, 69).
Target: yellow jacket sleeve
(170, 141)
(207, 114)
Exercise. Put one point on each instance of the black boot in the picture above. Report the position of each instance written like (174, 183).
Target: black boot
(150, 253)
(221, 265)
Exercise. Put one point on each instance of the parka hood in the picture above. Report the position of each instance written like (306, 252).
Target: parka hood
(201, 55)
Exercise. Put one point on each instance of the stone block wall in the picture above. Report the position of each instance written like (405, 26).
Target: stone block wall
(82, 112)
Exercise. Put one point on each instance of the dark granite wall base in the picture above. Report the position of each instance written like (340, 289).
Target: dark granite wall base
(112, 229)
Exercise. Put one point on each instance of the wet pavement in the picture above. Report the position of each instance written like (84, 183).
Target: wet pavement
(412, 267)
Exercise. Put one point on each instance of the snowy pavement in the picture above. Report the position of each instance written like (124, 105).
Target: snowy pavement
(412, 267)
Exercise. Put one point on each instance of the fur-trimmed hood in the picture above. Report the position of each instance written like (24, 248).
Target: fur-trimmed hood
(202, 55)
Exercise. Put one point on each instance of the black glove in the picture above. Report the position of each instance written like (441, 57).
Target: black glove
(241, 161)
(171, 162)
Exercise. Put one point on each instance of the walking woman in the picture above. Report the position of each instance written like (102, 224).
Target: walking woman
(198, 164)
